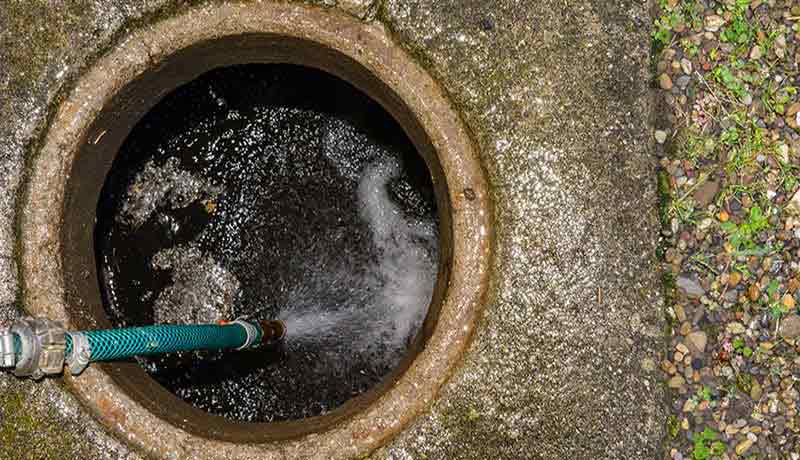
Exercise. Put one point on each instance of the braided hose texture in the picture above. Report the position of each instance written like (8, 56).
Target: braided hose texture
(114, 344)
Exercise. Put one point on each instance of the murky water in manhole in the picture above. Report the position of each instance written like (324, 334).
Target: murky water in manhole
(271, 191)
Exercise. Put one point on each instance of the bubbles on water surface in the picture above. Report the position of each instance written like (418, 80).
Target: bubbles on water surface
(254, 191)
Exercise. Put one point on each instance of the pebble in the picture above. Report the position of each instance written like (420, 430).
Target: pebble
(665, 82)
(727, 340)
(753, 292)
(706, 192)
(690, 286)
(676, 382)
(735, 328)
(686, 66)
(713, 23)
(661, 136)
(680, 312)
(743, 446)
(756, 390)
(788, 301)
(697, 340)
(790, 327)
(794, 203)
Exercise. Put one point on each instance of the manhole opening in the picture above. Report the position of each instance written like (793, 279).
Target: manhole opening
(260, 176)
(271, 191)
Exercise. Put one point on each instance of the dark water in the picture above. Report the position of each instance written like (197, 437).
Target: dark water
(271, 191)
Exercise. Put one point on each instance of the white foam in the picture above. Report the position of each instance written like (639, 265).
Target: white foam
(202, 290)
(159, 185)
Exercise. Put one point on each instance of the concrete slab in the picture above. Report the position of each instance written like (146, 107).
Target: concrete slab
(556, 95)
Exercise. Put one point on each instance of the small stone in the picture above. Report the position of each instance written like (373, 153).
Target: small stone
(756, 391)
(790, 327)
(734, 279)
(788, 301)
(682, 348)
(753, 292)
(677, 357)
(713, 23)
(736, 328)
(680, 313)
(755, 53)
(792, 114)
(780, 425)
(723, 216)
(743, 446)
(683, 81)
(676, 382)
(794, 203)
(780, 46)
(783, 153)
(665, 82)
(689, 405)
(686, 66)
(661, 136)
(690, 286)
(706, 193)
(697, 340)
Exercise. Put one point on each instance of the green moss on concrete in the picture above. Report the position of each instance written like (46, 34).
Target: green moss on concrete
(28, 433)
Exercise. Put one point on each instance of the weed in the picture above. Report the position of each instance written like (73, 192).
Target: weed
(740, 236)
(690, 48)
(722, 74)
(740, 347)
(707, 445)
(673, 426)
(739, 32)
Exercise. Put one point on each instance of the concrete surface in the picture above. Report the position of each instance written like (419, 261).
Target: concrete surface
(556, 95)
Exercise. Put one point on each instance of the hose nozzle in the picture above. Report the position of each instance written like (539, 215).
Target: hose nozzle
(273, 331)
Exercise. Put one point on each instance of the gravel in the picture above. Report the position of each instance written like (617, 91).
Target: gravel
(729, 177)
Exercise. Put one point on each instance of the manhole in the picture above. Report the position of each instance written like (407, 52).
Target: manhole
(271, 191)
(304, 131)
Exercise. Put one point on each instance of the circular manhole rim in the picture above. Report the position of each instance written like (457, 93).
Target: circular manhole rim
(370, 48)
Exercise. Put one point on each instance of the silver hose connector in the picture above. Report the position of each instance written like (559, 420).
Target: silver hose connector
(8, 353)
(42, 344)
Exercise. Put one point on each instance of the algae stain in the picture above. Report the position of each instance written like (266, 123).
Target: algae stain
(28, 434)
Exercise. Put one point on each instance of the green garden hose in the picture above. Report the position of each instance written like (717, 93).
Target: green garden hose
(35, 347)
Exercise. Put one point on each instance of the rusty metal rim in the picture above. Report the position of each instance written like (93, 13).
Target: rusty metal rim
(371, 48)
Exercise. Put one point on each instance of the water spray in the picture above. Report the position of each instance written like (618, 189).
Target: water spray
(38, 347)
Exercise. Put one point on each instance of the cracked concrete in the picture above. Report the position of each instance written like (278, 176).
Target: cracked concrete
(556, 95)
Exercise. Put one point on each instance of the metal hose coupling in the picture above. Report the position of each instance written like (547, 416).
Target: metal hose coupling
(273, 332)
(33, 347)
